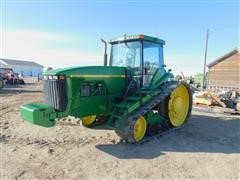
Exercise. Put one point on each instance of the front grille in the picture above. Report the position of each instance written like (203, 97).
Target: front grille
(55, 93)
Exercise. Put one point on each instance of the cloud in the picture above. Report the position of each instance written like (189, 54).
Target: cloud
(60, 50)
(34, 46)
(188, 64)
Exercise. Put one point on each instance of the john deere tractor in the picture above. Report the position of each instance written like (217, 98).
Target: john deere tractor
(133, 94)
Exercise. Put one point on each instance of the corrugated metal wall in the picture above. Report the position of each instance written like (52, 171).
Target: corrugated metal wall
(28, 71)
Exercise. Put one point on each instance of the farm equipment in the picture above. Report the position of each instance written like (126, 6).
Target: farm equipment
(133, 95)
(1, 81)
(10, 77)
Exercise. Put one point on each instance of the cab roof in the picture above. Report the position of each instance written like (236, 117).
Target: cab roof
(126, 38)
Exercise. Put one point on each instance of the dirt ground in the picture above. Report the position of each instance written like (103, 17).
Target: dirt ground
(207, 148)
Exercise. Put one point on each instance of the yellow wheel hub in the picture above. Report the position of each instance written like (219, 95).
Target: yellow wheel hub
(88, 120)
(139, 128)
(178, 106)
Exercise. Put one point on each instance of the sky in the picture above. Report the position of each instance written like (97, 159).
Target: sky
(67, 33)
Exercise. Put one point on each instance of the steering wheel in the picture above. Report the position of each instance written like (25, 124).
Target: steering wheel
(129, 58)
(119, 62)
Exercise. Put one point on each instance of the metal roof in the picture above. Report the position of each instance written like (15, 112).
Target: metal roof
(220, 59)
(136, 37)
(10, 62)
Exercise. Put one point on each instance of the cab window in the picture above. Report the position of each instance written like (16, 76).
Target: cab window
(126, 54)
(152, 58)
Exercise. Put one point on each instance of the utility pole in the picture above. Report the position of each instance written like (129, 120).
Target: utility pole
(205, 60)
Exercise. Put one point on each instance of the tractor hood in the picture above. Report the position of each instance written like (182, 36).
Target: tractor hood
(88, 71)
(81, 88)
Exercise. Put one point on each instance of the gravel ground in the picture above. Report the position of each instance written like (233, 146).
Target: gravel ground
(207, 148)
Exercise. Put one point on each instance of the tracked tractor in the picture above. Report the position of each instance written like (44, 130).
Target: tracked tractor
(132, 94)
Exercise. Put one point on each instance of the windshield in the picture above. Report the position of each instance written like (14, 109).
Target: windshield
(126, 54)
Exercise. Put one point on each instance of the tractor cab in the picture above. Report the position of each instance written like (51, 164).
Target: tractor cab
(141, 54)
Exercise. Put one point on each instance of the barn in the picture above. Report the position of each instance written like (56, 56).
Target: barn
(224, 72)
(25, 68)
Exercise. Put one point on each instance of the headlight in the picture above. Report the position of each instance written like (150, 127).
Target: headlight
(51, 77)
(61, 77)
(54, 77)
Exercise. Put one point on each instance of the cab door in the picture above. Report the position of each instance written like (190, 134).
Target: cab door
(152, 60)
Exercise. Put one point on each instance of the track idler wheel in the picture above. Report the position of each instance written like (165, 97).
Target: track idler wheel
(88, 120)
(134, 130)
(177, 106)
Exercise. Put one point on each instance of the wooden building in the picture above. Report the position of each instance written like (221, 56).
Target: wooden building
(224, 72)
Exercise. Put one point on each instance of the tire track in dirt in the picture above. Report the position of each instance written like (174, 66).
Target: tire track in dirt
(13, 103)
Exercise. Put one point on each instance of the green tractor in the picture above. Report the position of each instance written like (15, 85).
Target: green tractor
(133, 94)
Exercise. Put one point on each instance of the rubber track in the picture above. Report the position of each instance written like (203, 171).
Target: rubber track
(126, 132)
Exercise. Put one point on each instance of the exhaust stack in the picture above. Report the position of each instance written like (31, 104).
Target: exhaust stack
(105, 52)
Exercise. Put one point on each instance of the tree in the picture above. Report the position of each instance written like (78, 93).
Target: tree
(49, 68)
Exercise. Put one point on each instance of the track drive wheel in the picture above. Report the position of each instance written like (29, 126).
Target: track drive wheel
(134, 130)
(87, 121)
(177, 106)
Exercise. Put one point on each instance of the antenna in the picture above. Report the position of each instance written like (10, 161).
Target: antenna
(156, 27)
